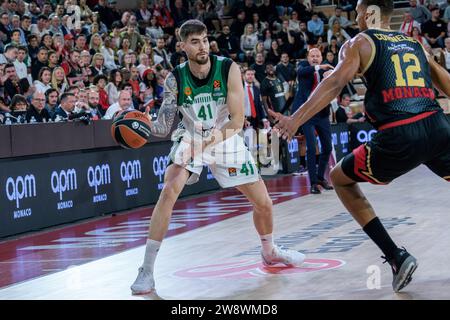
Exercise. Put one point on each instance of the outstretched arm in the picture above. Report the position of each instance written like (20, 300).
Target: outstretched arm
(166, 115)
(327, 90)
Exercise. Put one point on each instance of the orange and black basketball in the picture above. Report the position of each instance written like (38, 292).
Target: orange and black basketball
(131, 129)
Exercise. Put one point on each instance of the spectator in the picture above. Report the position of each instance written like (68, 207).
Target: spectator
(95, 109)
(66, 107)
(259, 68)
(408, 24)
(108, 53)
(416, 35)
(162, 52)
(154, 30)
(133, 36)
(315, 25)
(228, 43)
(274, 54)
(10, 54)
(53, 59)
(97, 66)
(19, 106)
(286, 70)
(344, 113)
(180, 14)
(20, 65)
(419, 12)
(338, 32)
(36, 111)
(435, 30)
(59, 80)
(255, 115)
(143, 13)
(12, 84)
(100, 82)
(43, 83)
(51, 96)
(124, 103)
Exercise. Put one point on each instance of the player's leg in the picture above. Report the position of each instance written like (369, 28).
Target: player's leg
(174, 181)
(323, 128)
(256, 193)
(357, 167)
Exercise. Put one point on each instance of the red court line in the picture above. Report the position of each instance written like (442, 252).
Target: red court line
(47, 252)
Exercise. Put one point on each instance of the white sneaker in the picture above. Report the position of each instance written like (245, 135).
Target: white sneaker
(144, 282)
(285, 256)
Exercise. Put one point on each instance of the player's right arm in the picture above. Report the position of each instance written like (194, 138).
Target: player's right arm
(439, 76)
(166, 115)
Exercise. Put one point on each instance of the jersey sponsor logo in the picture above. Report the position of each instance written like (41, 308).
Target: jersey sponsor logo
(187, 91)
(216, 85)
(254, 269)
(232, 172)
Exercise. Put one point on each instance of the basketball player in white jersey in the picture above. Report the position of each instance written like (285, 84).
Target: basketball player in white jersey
(208, 93)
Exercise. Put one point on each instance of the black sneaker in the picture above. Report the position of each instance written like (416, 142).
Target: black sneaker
(324, 183)
(315, 189)
(403, 266)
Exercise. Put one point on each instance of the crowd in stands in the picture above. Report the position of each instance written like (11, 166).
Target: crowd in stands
(56, 67)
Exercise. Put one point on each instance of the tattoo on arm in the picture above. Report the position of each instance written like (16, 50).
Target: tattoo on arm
(161, 127)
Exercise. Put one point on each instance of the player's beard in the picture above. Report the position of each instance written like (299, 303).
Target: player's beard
(201, 59)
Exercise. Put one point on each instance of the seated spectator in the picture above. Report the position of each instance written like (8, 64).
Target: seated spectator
(36, 111)
(338, 32)
(315, 25)
(65, 110)
(59, 81)
(100, 82)
(344, 113)
(416, 35)
(124, 103)
(408, 24)
(43, 83)
(435, 30)
(12, 82)
(18, 106)
(51, 96)
(418, 12)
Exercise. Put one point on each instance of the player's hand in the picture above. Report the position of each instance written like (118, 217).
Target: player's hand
(284, 125)
(147, 114)
(326, 67)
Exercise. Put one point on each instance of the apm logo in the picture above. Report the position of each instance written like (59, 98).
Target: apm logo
(292, 148)
(130, 171)
(98, 176)
(61, 182)
(159, 169)
(343, 139)
(364, 136)
(20, 188)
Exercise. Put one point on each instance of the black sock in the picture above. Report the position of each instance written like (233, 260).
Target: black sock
(379, 235)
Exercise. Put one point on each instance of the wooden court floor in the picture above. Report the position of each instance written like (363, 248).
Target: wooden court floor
(221, 260)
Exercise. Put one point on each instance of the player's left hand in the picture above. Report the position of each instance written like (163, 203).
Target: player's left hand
(284, 125)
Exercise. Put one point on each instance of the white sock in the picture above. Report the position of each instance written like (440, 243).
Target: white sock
(151, 250)
(267, 243)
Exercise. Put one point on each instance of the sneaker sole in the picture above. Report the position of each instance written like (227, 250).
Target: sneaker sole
(137, 293)
(291, 265)
(407, 269)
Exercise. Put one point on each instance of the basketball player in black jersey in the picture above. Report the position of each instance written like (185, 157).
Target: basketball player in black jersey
(400, 103)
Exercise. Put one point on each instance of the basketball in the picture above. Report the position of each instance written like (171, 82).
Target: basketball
(131, 129)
